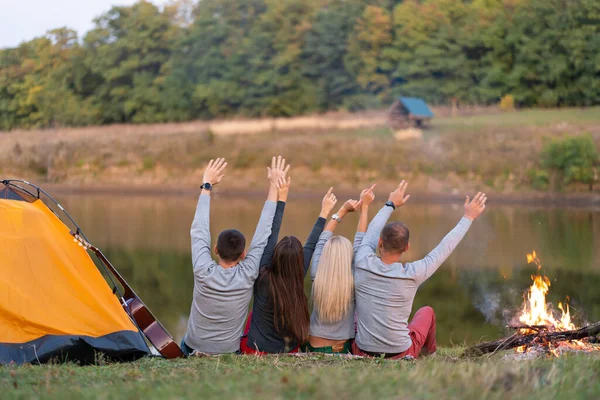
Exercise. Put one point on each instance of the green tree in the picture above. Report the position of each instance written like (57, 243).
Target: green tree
(40, 83)
(208, 73)
(371, 35)
(324, 52)
(557, 44)
(126, 52)
(433, 57)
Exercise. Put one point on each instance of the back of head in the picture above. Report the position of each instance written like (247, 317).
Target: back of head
(333, 287)
(394, 237)
(231, 244)
(286, 286)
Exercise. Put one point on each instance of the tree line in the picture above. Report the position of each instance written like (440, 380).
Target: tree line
(220, 58)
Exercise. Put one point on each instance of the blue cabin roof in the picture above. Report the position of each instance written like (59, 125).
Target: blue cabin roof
(417, 107)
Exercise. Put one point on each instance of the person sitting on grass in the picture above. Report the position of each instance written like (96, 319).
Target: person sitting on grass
(332, 269)
(279, 321)
(385, 288)
(223, 289)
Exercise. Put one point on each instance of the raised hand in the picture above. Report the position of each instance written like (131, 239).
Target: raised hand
(367, 196)
(328, 203)
(283, 188)
(350, 206)
(474, 208)
(214, 171)
(277, 170)
(398, 197)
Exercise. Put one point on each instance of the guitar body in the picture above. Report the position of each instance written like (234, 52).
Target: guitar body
(152, 329)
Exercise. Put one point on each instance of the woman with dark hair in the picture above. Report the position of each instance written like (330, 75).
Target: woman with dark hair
(279, 321)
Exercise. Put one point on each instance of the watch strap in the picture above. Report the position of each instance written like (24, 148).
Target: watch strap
(390, 204)
(336, 218)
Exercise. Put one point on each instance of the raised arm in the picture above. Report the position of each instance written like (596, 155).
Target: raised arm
(314, 254)
(366, 198)
(347, 207)
(200, 231)
(424, 268)
(250, 264)
(276, 173)
(369, 242)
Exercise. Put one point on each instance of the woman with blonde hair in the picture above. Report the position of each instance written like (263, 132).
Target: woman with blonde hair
(332, 269)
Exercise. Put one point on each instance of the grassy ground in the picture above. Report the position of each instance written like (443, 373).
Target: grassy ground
(496, 152)
(319, 377)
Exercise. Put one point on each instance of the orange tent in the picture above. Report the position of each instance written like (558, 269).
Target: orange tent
(54, 302)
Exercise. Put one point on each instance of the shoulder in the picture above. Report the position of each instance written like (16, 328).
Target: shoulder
(368, 261)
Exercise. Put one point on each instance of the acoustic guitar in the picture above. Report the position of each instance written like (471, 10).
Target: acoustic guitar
(137, 310)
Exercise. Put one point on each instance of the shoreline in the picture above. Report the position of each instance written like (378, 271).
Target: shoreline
(575, 200)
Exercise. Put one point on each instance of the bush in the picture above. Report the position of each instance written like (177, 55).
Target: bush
(572, 159)
(539, 178)
(507, 103)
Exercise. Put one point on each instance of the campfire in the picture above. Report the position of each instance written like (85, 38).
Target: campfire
(539, 329)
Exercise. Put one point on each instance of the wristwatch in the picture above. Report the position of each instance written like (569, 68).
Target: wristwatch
(206, 186)
(391, 204)
(336, 217)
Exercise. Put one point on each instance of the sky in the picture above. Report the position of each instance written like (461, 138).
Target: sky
(22, 20)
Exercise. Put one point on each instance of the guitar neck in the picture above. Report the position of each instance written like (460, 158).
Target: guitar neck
(128, 290)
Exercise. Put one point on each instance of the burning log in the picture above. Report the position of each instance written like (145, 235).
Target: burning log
(518, 339)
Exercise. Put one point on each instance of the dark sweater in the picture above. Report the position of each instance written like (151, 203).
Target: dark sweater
(263, 335)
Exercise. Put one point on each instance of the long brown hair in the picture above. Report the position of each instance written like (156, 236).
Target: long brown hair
(286, 287)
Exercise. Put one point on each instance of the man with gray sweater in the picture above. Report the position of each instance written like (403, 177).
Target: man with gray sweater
(223, 289)
(385, 288)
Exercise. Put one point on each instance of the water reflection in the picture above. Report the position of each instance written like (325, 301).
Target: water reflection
(147, 239)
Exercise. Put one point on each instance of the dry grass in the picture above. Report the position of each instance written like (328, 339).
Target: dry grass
(495, 152)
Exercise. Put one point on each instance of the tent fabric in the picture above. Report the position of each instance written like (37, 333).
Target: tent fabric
(51, 289)
(14, 193)
(122, 346)
(417, 107)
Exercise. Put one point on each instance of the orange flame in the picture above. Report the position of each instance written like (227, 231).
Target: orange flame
(537, 313)
(535, 310)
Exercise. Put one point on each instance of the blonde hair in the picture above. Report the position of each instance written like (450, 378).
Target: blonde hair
(333, 288)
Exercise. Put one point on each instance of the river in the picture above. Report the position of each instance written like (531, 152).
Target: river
(475, 292)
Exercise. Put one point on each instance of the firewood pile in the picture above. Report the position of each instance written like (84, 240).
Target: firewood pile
(541, 337)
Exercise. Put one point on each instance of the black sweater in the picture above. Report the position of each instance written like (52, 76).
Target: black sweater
(263, 335)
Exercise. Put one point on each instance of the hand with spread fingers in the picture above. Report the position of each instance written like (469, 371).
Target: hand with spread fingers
(283, 188)
(397, 196)
(277, 170)
(328, 203)
(215, 171)
(474, 208)
(367, 196)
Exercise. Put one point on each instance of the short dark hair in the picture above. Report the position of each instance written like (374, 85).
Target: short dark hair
(231, 244)
(394, 237)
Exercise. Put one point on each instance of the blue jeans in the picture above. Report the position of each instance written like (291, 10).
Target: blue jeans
(187, 350)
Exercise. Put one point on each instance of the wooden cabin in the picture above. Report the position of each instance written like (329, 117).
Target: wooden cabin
(409, 112)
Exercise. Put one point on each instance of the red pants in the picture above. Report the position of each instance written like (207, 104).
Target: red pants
(422, 334)
(245, 349)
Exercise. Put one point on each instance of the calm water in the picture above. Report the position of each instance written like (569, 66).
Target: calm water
(473, 293)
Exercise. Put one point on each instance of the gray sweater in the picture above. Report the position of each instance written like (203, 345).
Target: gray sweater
(343, 329)
(222, 295)
(385, 293)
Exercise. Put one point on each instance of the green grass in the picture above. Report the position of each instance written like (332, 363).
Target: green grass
(308, 377)
(535, 118)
